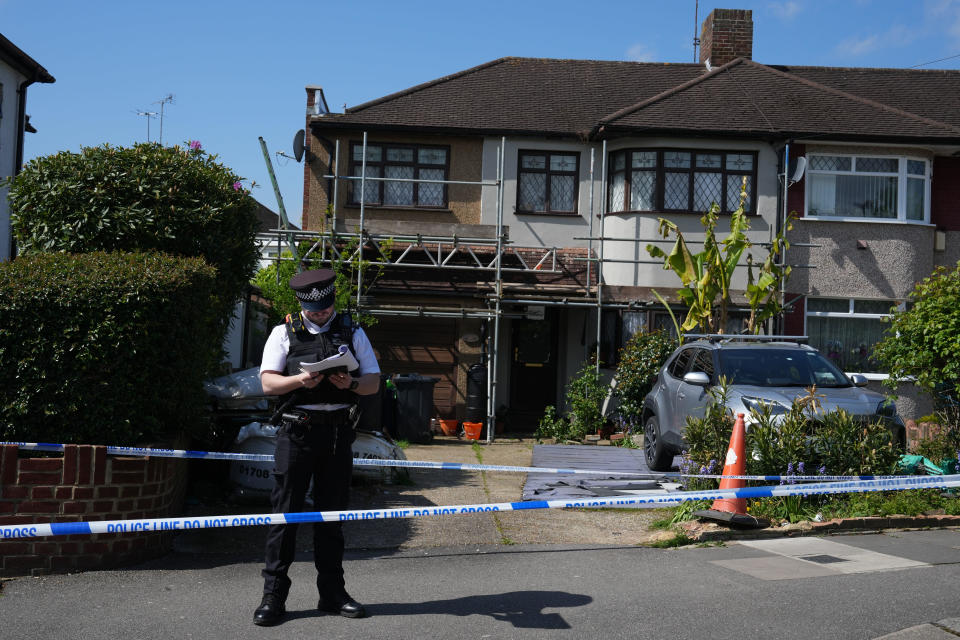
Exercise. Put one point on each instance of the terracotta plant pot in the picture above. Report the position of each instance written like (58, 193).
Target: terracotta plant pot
(448, 426)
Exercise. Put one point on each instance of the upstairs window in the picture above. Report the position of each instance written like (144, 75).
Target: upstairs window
(547, 182)
(877, 187)
(683, 180)
(406, 164)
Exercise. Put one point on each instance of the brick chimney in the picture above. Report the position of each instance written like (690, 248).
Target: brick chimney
(726, 34)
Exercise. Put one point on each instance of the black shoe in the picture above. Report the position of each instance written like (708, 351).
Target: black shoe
(342, 604)
(270, 611)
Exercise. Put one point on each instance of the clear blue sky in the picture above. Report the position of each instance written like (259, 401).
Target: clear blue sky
(237, 70)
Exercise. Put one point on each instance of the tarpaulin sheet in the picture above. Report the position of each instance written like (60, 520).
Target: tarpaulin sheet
(607, 459)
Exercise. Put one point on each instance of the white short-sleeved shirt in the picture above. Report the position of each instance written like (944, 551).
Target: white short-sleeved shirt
(278, 345)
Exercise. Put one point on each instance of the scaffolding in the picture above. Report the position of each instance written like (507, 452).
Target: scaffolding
(437, 251)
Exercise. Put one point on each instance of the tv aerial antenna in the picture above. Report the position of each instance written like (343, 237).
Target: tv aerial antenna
(149, 115)
(167, 99)
(696, 37)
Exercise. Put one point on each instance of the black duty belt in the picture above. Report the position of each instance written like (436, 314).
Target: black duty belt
(328, 417)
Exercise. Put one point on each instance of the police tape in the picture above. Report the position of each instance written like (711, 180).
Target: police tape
(456, 466)
(150, 451)
(445, 466)
(661, 497)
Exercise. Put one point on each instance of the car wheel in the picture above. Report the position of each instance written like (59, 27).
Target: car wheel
(899, 436)
(656, 453)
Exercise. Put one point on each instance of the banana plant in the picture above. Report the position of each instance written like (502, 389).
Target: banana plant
(706, 276)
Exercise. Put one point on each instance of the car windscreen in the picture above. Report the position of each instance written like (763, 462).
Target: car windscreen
(772, 367)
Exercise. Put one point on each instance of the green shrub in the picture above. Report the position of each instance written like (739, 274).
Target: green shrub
(273, 282)
(552, 425)
(802, 441)
(777, 443)
(179, 201)
(944, 443)
(640, 361)
(104, 348)
(923, 342)
(585, 395)
(844, 445)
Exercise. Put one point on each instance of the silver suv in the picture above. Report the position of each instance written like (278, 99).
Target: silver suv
(760, 373)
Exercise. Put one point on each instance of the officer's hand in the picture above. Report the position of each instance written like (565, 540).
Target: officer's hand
(341, 380)
(310, 380)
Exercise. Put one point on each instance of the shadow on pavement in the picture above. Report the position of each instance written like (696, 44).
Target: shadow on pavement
(522, 609)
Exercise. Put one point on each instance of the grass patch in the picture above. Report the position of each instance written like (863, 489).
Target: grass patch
(403, 444)
(478, 452)
(678, 540)
(666, 518)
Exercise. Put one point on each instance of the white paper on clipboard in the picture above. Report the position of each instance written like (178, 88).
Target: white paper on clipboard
(343, 359)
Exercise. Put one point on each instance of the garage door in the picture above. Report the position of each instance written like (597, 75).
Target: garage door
(426, 346)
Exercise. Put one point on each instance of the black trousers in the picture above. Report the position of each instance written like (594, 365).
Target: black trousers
(321, 451)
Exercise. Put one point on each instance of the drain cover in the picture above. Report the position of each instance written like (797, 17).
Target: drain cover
(823, 559)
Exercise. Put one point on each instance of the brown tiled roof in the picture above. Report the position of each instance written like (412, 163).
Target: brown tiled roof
(574, 98)
(931, 93)
(744, 97)
(520, 95)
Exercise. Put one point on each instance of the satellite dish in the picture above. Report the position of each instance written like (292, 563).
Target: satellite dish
(298, 145)
(799, 168)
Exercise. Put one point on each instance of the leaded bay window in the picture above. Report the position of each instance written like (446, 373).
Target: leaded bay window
(547, 182)
(684, 180)
(407, 163)
(846, 330)
(879, 187)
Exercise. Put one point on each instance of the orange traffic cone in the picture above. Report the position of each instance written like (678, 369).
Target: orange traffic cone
(735, 465)
(733, 511)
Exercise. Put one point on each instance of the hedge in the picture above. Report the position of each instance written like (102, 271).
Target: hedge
(176, 200)
(105, 348)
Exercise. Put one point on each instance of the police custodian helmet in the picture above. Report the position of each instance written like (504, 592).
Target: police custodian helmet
(314, 289)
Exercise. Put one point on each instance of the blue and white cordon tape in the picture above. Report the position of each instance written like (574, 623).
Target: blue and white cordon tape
(180, 524)
(445, 466)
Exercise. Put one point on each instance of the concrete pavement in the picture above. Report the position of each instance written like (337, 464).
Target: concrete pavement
(517, 591)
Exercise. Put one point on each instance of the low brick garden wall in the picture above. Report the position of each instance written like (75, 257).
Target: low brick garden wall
(85, 484)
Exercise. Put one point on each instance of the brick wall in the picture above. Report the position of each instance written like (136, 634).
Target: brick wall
(726, 34)
(945, 193)
(85, 484)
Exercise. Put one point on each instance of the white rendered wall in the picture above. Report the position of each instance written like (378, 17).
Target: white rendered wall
(560, 231)
(9, 108)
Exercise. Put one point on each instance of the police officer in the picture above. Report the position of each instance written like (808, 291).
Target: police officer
(318, 446)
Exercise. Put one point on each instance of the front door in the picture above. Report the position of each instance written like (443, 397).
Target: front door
(533, 372)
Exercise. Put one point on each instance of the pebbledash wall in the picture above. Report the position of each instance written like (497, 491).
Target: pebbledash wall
(85, 484)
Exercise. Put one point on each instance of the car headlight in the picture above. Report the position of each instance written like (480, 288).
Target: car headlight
(758, 404)
(887, 409)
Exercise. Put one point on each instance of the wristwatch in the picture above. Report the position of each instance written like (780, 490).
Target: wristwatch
(354, 384)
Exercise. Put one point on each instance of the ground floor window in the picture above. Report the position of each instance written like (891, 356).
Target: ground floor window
(846, 330)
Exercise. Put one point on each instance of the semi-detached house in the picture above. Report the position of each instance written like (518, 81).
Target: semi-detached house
(579, 158)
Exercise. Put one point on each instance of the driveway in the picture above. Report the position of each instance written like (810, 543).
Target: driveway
(429, 487)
